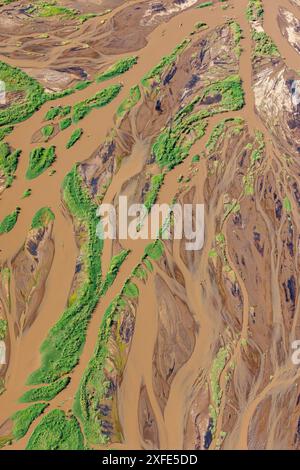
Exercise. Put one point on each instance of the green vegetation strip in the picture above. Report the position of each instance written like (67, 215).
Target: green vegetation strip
(218, 131)
(255, 10)
(114, 268)
(4, 131)
(56, 432)
(9, 221)
(24, 418)
(287, 204)
(8, 162)
(39, 160)
(42, 218)
(264, 45)
(100, 99)
(51, 9)
(155, 250)
(74, 138)
(17, 81)
(3, 329)
(205, 4)
(31, 96)
(151, 195)
(56, 111)
(26, 193)
(130, 102)
(65, 123)
(47, 131)
(48, 9)
(155, 73)
(62, 348)
(120, 67)
(130, 290)
(216, 392)
(6, 2)
(237, 35)
(200, 25)
(45, 393)
(173, 145)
